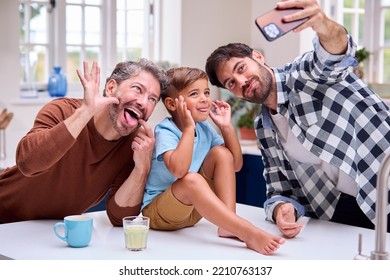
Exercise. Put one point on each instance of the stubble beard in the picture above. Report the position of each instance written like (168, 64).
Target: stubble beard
(263, 91)
(114, 112)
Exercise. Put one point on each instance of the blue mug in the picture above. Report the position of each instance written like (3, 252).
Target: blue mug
(77, 230)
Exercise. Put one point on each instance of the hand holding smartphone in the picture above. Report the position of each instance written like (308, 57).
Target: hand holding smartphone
(272, 26)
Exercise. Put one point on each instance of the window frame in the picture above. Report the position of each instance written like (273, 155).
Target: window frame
(29, 46)
(57, 46)
(376, 40)
(373, 34)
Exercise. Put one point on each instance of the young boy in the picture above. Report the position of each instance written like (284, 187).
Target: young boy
(193, 168)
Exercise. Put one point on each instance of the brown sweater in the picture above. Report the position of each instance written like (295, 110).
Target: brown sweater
(56, 175)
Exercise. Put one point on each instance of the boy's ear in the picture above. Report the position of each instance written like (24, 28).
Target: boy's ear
(170, 104)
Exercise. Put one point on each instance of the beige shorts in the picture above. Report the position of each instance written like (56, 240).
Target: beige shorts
(166, 212)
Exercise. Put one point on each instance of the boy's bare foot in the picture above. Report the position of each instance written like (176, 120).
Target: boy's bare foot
(227, 234)
(263, 242)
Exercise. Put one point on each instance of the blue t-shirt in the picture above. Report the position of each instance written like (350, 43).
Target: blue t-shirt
(167, 136)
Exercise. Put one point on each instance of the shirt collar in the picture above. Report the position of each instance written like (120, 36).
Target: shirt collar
(280, 79)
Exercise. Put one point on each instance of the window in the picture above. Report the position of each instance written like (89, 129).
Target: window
(377, 40)
(65, 33)
(384, 48)
(369, 24)
(84, 37)
(353, 19)
(134, 22)
(34, 41)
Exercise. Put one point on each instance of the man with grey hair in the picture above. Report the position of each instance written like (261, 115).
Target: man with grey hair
(80, 149)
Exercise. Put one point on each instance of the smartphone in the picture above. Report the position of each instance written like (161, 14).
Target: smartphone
(273, 27)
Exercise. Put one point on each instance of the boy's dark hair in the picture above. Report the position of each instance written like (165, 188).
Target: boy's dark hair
(222, 54)
(180, 77)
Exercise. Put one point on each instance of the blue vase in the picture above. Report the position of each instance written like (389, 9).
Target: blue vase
(57, 85)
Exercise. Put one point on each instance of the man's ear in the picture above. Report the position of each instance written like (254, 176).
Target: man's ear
(111, 87)
(258, 56)
(169, 103)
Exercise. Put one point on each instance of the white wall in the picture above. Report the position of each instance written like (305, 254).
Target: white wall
(9, 75)
(170, 31)
(210, 24)
(9, 50)
(190, 30)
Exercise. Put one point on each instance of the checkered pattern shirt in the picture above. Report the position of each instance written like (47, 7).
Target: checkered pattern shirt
(335, 116)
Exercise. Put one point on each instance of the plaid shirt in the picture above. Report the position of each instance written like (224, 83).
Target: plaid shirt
(335, 116)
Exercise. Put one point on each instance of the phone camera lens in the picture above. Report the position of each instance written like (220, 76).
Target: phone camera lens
(272, 30)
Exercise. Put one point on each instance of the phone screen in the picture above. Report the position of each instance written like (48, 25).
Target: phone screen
(272, 26)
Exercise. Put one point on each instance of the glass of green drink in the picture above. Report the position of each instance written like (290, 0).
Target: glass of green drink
(136, 232)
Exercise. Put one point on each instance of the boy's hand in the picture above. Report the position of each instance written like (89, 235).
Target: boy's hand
(222, 115)
(184, 115)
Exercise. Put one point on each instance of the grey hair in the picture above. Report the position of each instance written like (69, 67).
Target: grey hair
(128, 69)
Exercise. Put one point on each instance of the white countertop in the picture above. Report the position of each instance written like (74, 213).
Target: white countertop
(319, 240)
(250, 147)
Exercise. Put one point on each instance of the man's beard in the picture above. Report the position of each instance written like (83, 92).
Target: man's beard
(114, 116)
(114, 112)
(263, 90)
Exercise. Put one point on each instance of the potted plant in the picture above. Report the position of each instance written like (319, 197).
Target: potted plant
(361, 55)
(244, 114)
(246, 121)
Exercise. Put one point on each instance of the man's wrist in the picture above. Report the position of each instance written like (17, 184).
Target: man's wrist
(277, 207)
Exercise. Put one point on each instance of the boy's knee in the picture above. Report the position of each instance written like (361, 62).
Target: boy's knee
(221, 153)
(193, 180)
(188, 187)
(192, 177)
